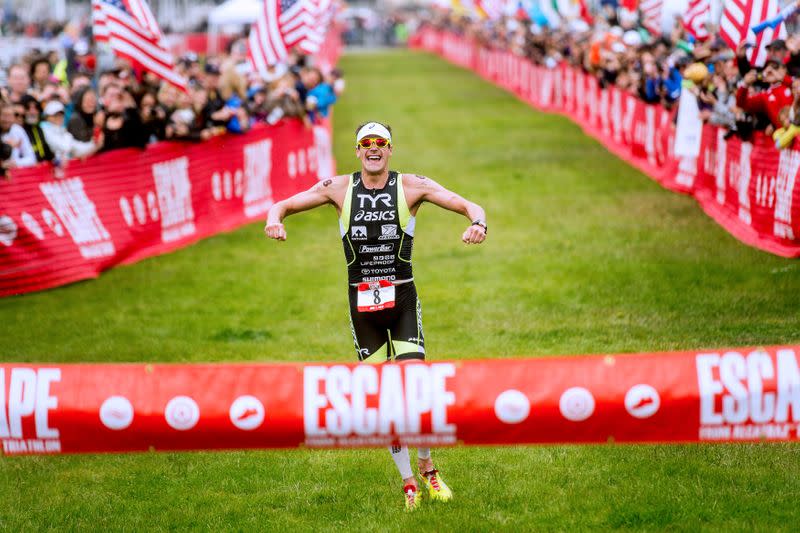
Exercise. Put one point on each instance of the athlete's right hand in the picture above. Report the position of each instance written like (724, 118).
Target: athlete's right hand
(275, 231)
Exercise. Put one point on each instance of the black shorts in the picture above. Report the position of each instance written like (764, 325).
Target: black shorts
(394, 333)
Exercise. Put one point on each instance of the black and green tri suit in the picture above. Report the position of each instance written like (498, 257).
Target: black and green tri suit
(377, 231)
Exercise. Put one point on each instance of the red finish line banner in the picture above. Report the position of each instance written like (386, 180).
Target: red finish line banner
(750, 189)
(123, 206)
(713, 396)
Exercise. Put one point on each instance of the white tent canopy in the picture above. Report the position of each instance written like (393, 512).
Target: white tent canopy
(235, 12)
(231, 13)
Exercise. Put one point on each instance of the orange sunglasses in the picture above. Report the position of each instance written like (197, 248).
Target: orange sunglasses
(380, 142)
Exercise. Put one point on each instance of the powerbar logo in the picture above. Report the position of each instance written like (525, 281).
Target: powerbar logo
(756, 396)
(378, 405)
(28, 395)
(375, 248)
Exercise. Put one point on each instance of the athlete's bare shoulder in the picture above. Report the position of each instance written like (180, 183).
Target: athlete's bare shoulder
(333, 188)
(418, 181)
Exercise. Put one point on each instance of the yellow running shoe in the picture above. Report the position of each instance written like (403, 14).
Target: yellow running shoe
(437, 488)
(413, 499)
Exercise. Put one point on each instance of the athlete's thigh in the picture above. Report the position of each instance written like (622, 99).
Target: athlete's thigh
(370, 335)
(408, 341)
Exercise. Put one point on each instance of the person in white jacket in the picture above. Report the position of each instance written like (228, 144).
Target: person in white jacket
(12, 134)
(61, 142)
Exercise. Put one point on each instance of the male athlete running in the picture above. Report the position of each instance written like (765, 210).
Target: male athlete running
(377, 209)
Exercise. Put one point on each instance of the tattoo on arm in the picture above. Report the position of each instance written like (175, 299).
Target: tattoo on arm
(420, 177)
(327, 182)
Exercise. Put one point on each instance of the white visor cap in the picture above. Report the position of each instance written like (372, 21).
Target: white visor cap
(373, 128)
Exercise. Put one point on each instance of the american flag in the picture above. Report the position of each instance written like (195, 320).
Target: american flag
(285, 24)
(697, 15)
(131, 30)
(737, 18)
(651, 15)
(326, 10)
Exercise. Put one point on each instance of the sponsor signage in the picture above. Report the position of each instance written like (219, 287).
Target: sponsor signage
(126, 205)
(730, 395)
(375, 248)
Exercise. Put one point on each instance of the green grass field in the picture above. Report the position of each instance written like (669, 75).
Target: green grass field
(585, 255)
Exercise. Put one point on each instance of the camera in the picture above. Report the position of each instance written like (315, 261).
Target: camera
(5, 154)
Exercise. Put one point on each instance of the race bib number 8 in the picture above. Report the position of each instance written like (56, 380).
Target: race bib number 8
(375, 296)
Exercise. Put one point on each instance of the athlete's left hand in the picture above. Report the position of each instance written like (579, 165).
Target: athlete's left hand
(474, 234)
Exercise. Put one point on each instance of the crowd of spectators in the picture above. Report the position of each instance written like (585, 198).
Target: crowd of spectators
(55, 107)
(731, 91)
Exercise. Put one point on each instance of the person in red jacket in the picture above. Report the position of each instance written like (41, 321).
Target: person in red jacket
(771, 101)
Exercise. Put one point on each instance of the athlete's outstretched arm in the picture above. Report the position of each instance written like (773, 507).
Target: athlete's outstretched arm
(426, 190)
(319, 194)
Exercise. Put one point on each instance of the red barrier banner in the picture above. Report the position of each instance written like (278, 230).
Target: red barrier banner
(749, 394)
(122, 206)
(749, 188)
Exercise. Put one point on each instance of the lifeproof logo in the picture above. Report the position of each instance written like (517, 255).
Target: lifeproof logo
(747, 397)
(79, 215)
(257, 170)
(371, 405)
(28, 396)
(174, 190)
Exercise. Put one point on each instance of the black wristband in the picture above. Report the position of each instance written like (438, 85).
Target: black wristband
(482, 224)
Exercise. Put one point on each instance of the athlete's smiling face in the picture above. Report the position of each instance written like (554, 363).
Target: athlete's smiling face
(374, 159)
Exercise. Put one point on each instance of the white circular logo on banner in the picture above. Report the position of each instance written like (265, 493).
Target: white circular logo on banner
(182, 413)
(642, 401)
(247, 412)
(512, 406)
(116, 413)
(576, 404)
(8, 230)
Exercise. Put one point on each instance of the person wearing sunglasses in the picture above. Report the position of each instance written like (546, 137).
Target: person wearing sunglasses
(377, 210)
(12, 134)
